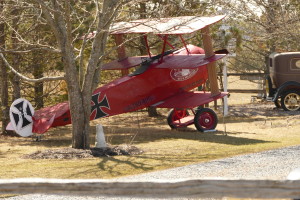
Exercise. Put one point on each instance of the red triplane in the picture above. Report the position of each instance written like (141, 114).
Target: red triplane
(162, 81)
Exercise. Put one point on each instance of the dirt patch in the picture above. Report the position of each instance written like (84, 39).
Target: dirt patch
(70, 153)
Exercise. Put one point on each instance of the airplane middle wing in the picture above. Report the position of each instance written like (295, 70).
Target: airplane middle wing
(189, 99)
(175, 61)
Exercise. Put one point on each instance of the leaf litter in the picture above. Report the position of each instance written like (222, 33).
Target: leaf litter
(71, 153)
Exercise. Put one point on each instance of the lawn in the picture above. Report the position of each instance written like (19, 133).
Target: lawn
(249, 128)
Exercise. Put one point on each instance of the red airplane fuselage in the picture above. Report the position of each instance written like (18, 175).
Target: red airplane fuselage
(134, 92)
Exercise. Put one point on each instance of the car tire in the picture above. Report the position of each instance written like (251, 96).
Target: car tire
(290, 100)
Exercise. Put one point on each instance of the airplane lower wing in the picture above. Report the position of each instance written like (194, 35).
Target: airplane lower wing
(189, 99)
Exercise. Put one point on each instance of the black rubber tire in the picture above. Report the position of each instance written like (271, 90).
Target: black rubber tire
(290, 100)
(171, 117)
(205, 119)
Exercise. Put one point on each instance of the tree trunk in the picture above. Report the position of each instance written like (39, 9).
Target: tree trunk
(38, 87)
(4, 97)
(15, 80)
(4, 81)
(80, 119)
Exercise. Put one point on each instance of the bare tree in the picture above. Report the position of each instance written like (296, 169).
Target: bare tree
(69, 21)
(266, 26)
(58, 14)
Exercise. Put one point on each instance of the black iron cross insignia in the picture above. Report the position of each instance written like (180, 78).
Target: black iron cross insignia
(96, 105)
(24, 121)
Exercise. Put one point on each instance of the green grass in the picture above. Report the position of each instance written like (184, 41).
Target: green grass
(163, 148)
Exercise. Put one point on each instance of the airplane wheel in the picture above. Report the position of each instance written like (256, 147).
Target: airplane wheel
(205, 119)
(174, 115)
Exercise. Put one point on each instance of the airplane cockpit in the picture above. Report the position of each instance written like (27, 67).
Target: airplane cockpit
(147, 61)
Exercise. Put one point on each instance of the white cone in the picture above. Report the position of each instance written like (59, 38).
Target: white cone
(100, 139)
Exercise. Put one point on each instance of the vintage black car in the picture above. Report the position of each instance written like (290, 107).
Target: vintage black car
(283, 82)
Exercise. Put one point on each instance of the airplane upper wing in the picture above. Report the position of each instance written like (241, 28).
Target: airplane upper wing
(189, 99)
(170, 26)
(176, 61)
(125, 63)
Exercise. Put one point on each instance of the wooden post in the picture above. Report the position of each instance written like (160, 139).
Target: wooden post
(211, 67)
(161, 189)
(121, 51)
(225, 82)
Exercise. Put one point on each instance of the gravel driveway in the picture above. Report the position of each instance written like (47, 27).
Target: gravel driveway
(273, 164)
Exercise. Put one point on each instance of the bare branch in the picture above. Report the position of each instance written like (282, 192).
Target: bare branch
(29, 79)
(49, 17)
(31, 50)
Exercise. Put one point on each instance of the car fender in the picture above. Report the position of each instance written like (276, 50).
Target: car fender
(269, 87)
(283, 88)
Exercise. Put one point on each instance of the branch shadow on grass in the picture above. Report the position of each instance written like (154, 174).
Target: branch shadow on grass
(109, 164)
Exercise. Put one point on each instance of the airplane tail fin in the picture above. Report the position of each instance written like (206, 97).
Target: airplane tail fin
(21, 117)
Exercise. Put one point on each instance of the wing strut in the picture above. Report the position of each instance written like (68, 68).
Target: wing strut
(168, 43)
(147, 45)
(121, 51)
(165, 38)
(184, 43)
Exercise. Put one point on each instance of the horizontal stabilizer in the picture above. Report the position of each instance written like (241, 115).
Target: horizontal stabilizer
(10, 127)
(42, 125)
(52, 116)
